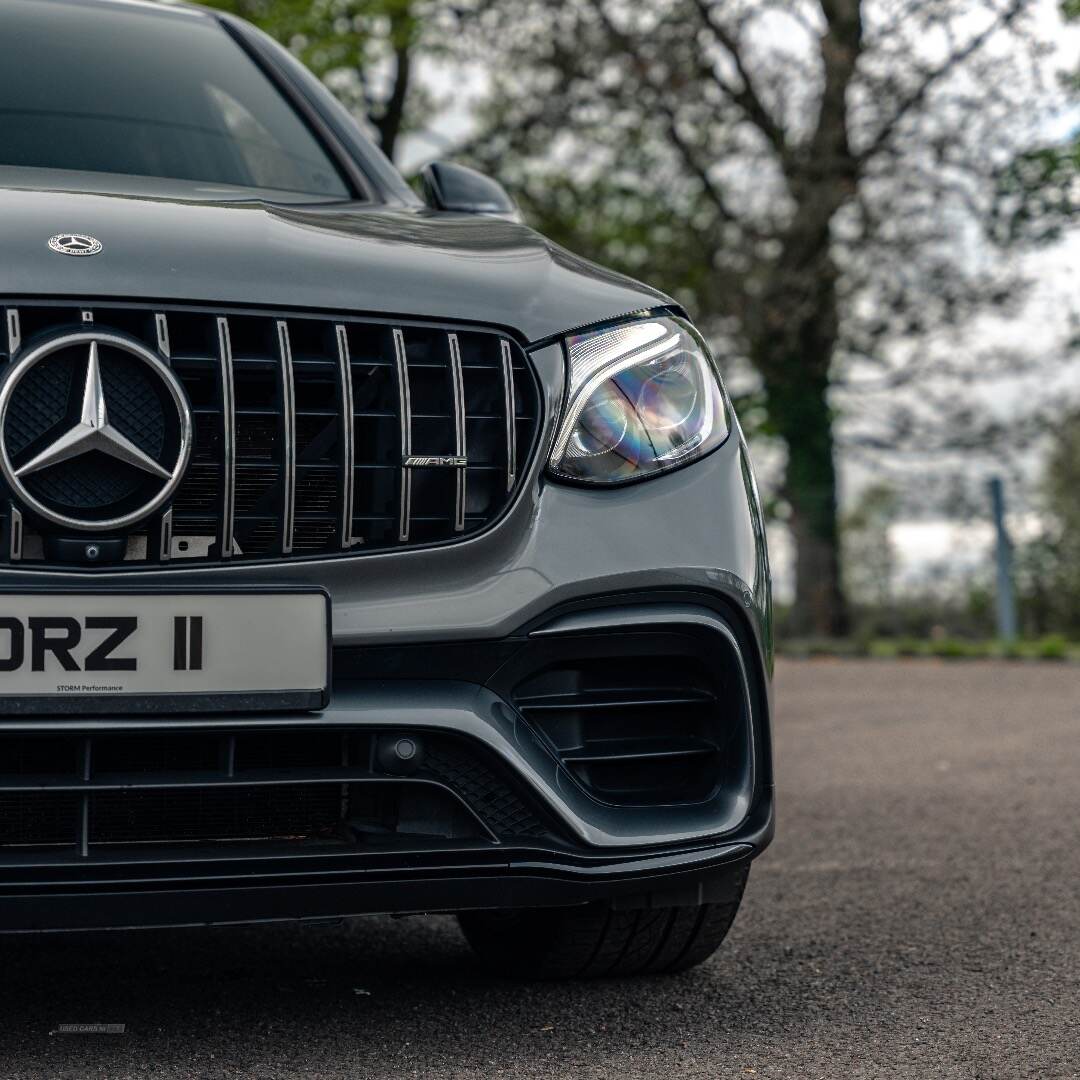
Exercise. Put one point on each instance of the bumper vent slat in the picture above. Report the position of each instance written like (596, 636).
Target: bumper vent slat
(313, 436)
(624, 697)
(615, 750)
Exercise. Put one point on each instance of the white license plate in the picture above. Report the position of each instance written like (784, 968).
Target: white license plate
(251, 650)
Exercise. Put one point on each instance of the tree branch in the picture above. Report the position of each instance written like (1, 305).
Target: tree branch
(685, 150)
(390, 122)
(746, 96)
(917, 96)
(841, 46)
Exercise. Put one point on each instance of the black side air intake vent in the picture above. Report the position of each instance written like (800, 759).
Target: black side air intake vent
(638, 719)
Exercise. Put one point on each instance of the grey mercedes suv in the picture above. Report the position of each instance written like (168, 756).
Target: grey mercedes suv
(359, 551)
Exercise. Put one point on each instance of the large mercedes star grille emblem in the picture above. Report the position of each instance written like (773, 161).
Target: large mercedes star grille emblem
(95, 431)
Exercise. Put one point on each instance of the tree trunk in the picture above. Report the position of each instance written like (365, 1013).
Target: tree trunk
(801, 415)
(390, 123)
(403, 29)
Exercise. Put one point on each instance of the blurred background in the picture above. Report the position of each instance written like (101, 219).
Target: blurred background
(868, 207)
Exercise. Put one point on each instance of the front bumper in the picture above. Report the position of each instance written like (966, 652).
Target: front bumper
(526, 831)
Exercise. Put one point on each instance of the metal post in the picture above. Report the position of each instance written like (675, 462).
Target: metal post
(1006, 603)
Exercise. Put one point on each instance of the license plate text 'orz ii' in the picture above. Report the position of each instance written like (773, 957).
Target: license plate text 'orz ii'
(167, 643)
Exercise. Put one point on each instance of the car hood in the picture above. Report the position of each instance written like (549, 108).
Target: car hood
(365, 260)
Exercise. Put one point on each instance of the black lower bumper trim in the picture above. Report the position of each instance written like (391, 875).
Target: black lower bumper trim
(537, 879)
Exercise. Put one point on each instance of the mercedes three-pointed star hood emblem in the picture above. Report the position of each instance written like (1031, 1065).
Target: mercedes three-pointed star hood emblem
(75, 244)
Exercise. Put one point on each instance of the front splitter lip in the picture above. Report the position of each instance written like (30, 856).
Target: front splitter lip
(504, 879)
(188, 871)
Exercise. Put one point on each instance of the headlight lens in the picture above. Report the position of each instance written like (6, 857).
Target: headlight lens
(643, 398)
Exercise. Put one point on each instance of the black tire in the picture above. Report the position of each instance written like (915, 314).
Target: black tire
(601, 940)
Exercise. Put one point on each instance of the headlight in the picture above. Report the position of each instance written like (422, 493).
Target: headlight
(643, 398)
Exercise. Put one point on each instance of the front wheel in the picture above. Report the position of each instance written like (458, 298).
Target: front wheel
(600, 939)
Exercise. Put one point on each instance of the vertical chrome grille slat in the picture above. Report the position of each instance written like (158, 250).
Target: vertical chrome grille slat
(510, 410)
(288, 419)
(165, 553)
(405, 417)
(161, 328)
(460, 450)
(348, 454)
(15, 541)
(228, 427)
(14, 332)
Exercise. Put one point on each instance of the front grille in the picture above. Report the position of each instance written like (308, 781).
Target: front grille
(298, 790)
(313, 436)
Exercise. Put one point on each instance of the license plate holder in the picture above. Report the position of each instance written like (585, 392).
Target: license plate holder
(94, 652)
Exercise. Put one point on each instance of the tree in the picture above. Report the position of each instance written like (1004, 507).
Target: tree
(814, 179)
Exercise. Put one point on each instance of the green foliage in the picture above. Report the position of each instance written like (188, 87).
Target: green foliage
(952, 649)
(883, 650)
(909, 647)
(1053, 647)
(1039, 195)
(1039, 192)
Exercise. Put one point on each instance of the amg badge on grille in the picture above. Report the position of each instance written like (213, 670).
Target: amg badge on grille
(95, 431)
(444, 461)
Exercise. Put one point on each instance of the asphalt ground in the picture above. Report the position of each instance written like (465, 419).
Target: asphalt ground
(918, 915)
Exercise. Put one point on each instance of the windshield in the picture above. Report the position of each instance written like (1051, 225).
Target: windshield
(101, 89)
